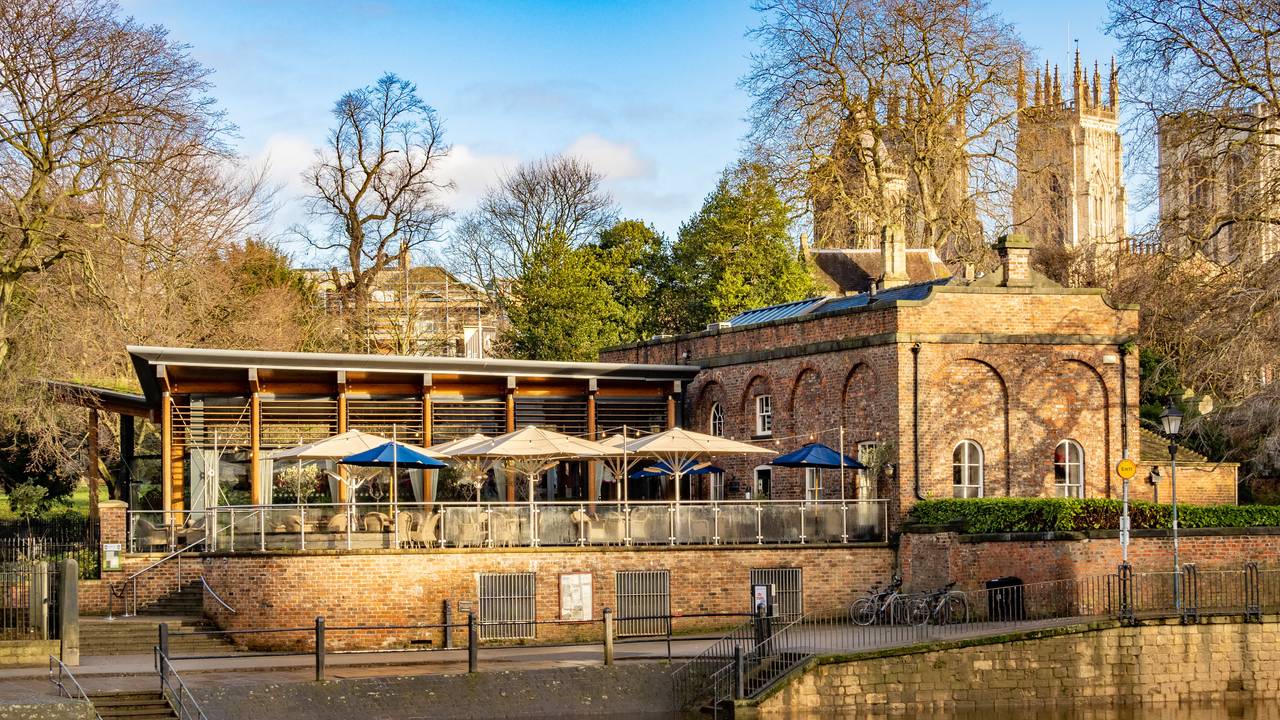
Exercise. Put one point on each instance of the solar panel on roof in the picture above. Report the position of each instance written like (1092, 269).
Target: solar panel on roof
(775, 312)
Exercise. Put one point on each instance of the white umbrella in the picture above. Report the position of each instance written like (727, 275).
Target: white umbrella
(678, 447)
(473, 469)
(340, 446)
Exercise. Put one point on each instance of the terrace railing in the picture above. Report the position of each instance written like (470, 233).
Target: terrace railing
(241, 528)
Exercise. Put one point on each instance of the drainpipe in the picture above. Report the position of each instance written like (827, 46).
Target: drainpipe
(915, 418)
(1124, 401)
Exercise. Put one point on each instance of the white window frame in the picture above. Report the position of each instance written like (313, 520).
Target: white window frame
(755, 481)
(715, 486)
(812, 484)
(764, 415)
(1072, 459)
(715, 423)
(866, 489)
(970, 462)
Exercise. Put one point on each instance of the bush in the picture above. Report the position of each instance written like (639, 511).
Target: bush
(995, 515)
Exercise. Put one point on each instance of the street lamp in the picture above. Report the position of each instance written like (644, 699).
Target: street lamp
(1171, 420)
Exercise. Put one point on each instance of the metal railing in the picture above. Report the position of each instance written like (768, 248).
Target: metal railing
(175, 691)
(60, 675)
(755, 656)
(363, 525)
(30, 603)
(164, 531)
(127, 589)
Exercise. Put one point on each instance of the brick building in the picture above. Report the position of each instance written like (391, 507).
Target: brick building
(1001, 385)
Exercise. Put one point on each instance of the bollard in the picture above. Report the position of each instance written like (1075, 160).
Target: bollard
(320, 648)
(473, 643)
(608, 636)
(164, 638)
(448, 624)
(739, 674)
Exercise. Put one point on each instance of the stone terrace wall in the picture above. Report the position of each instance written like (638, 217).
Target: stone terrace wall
(929, 560)
(400, 588)
(1218, 661)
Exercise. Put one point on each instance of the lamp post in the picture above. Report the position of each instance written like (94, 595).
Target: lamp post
(1171, 420)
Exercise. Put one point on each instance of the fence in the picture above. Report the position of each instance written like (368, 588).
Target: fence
(367, 525)
(51, 540)
(754, 656)
(29, 601)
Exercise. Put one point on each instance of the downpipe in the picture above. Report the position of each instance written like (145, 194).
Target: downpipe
(915, 420)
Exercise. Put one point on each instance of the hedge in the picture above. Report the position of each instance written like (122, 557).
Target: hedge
(997, 515)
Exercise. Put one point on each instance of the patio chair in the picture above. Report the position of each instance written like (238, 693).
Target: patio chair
(293, 523)
(506, 531)
(374, 522)
(425, 535)
(588, 529)
(404, 526)
(147, 536)
(337, 523)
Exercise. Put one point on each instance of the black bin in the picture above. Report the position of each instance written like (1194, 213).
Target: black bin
(1005, 600)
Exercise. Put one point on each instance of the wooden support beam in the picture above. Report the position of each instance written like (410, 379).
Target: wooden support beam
(342, 427)
(426, 433)
(166, 449)
(511, 426)
(671, 404)
(593, 483)
(255, 448)
(128, 451)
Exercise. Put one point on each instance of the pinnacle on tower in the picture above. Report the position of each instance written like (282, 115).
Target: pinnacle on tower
(1057, 86)
(1097, 85)
(1047, 86)
(1114, 94)
(1078, 90)
(1022, 86)
(1039, 96)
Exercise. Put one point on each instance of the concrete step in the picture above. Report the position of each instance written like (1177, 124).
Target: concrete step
(138, 635)
(132, 705)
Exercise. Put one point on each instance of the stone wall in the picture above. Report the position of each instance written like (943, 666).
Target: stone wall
(930, 559)
(1219, 660)
(406, 588)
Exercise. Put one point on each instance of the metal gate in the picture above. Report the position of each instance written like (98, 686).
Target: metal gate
(788, 594)
(646, 596)
(507, 606)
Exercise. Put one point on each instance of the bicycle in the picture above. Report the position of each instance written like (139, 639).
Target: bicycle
(883, 606)
(941, 607)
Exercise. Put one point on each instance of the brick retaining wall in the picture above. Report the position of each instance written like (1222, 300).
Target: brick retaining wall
(399, 588)
(931, 559)
(1162, 661)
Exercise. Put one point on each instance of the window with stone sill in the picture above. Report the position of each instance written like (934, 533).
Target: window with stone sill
(716, 424)
(764, 415)
(967, 469)
(1068, 469)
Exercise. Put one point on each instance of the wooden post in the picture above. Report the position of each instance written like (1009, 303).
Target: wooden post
(671, 405)
(91, 469)
(166, 450)
(426, 433)
(511, 426)
(255, 448)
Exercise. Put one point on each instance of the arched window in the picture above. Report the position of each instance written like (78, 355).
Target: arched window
(716, 424)
(966, 469)
(1068, 469)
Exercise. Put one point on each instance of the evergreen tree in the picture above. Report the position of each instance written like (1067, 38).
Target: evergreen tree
(634, 265)
(561, 307)
(735, 254)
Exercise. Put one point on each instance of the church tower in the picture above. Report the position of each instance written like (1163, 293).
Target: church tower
(1070, 187)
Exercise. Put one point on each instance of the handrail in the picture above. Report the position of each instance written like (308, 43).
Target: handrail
(117, 588)
(180, 693)
(62, 669)
(221, 602)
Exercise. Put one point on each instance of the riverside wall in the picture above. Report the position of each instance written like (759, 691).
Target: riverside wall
(1220, 660)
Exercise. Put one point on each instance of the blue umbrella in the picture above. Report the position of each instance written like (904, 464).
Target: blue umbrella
(660, 469)
(393, 454)
(817, 455)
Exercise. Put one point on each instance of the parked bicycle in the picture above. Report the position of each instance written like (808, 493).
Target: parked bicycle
(887, 606)
(941, 607)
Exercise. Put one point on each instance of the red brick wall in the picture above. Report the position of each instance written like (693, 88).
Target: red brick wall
(1019, 371)
(1198, 483)
(410, 588)
(152, 585)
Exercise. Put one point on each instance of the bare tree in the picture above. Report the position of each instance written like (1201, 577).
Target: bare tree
(87, 100)
(889, 111)
(375, 184)
(539, 200)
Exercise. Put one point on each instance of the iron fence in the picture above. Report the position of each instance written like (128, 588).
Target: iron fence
(29, 601)
(756, 655)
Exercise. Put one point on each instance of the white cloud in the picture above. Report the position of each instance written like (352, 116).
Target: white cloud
(286, 157)
(617, 161)
(471, 173)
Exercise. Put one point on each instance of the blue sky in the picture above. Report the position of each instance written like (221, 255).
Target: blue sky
(646, 91)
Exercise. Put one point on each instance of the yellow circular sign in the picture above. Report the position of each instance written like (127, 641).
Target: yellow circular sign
(1126, 469)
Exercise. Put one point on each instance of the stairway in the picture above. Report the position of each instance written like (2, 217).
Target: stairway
(138, 635)
(187, 600)
(131, 705)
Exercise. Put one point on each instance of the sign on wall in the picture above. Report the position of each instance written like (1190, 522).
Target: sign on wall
(575, 596)
(111, 557)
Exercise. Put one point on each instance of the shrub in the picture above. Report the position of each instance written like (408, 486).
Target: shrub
(993, 515)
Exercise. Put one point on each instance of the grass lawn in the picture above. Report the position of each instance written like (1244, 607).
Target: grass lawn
(77, 501)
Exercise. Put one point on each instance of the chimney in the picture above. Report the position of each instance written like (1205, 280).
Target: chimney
(1015, 260)
(893, 257)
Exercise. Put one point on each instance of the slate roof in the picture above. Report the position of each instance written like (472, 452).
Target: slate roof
(817, 306)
